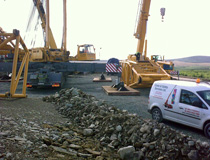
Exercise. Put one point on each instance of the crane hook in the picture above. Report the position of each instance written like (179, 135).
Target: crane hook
(162, 12)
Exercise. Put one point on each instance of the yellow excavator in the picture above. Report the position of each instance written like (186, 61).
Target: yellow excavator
(85, 52)
(168, 66)
(138, 70)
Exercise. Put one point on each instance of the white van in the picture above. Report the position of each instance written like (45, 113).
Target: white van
(183, 102)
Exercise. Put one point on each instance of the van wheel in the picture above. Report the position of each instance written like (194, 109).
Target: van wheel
(207, 130)
(157, 115)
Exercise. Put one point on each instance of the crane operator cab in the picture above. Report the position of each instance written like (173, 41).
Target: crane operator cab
(156, 58)
(86, 49)
(85, 52)
(168, 66)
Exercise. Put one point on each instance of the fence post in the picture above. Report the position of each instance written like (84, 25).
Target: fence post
(178, 74)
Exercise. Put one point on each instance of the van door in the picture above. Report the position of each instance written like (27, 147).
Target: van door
(171, 105)
(190, 108)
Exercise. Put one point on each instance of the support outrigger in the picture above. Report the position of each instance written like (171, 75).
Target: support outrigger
(6, 47)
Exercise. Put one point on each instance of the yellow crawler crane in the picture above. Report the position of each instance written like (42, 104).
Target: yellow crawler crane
(7, 46)
(50, 74)
(138, 70)
(50, 52)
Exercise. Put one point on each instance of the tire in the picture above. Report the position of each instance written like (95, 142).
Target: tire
(206, 130)
(157, 115)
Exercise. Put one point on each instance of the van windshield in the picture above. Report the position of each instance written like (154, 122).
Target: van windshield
(205, 95)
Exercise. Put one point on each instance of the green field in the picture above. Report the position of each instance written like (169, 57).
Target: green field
(195, 72)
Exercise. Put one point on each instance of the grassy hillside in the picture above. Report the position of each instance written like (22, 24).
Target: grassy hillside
(195, 67)
(194, 59)
(194, 70)
(187, 65)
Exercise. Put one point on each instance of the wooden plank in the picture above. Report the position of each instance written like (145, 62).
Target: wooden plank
(114, 92)
(108, 79)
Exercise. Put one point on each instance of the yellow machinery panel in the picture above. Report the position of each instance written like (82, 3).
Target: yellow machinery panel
(86, 57)
(36, 54)
(142, 74)
(57, 56)
(71, 58)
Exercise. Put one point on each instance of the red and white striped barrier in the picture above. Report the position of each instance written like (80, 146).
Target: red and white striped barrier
(111, 67)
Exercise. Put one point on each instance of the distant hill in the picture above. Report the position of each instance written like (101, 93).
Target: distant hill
(193, 59)
(191, 65)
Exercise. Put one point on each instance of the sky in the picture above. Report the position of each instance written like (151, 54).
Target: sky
(109, 26)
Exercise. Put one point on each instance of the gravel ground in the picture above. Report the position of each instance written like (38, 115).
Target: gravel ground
(23, 122)
(133, 104)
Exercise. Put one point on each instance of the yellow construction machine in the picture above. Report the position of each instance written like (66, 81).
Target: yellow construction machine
(168, 66)
(9, 44)
(48, 75)
(50, 52)
(138, 70)
(85, 52)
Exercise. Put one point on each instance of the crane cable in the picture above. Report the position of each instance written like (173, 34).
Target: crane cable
(30, 18)
(36, 27)
(137, 15)
(28, 28)
(33, 41)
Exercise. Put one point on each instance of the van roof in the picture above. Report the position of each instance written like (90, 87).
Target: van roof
(186, 84)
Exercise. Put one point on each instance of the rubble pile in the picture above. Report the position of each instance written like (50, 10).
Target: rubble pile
(128, 135)
(29, 140)
(21, 139)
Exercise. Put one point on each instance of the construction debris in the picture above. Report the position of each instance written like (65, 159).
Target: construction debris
(126, 134)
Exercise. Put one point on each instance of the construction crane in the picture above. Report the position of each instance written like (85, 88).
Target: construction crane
(50, 52)
(138, 70)
(85, 52)
(48, 75)
(49, 65)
